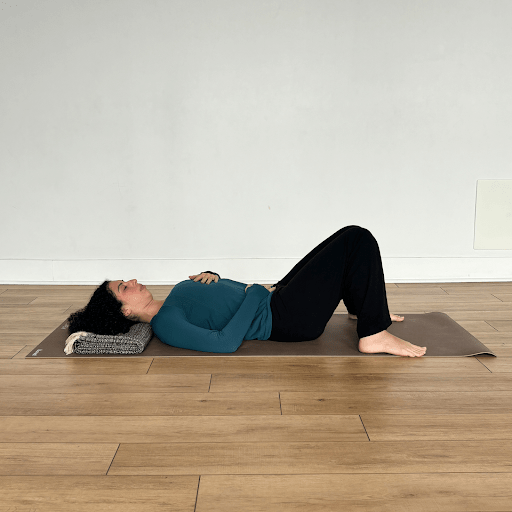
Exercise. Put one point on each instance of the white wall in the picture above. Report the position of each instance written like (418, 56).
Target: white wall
(159, 138)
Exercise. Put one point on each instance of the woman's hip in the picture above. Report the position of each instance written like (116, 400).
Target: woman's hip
(296, 321)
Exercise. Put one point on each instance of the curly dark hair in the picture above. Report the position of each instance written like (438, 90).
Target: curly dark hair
(102, 315)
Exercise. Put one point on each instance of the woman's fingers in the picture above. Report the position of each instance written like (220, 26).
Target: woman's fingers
(205, 277)
(267, 286)
(210, 278)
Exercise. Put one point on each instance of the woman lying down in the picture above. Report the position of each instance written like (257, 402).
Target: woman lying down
(211, 314)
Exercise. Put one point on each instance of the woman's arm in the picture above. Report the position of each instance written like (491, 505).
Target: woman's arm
(173, 328)
(209, 276)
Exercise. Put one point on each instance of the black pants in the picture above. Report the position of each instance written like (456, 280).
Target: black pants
(347, 266)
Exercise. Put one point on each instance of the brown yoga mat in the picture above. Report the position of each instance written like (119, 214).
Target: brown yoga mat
(442, 336)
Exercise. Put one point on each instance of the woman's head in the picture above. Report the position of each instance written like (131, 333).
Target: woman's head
(134, 297)
(105, 313)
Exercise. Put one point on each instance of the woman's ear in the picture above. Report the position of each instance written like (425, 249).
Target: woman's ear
(130, 315)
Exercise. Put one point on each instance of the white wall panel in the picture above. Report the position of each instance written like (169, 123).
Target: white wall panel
(493, 218)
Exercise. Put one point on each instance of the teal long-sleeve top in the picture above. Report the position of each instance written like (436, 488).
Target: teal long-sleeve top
(214, 317)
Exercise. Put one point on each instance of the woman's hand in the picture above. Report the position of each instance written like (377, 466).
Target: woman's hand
(205, 277)
(267, 286)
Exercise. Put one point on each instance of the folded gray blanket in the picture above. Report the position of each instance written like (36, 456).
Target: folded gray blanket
(132, 342)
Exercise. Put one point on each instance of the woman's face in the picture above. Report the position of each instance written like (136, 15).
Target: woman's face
(133, 295)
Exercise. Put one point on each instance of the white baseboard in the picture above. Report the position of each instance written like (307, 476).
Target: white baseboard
(246, 270)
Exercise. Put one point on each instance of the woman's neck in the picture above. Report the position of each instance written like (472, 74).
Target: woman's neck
(150, 311)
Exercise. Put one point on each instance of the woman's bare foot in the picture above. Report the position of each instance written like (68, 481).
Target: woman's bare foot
(394, 318)
(385, 342)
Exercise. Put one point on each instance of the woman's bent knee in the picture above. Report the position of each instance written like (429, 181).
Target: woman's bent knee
(363, 232)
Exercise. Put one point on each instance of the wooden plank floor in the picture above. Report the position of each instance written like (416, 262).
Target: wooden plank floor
(258, 434)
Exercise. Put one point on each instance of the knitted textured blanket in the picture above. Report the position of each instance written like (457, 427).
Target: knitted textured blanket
(132, 342)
